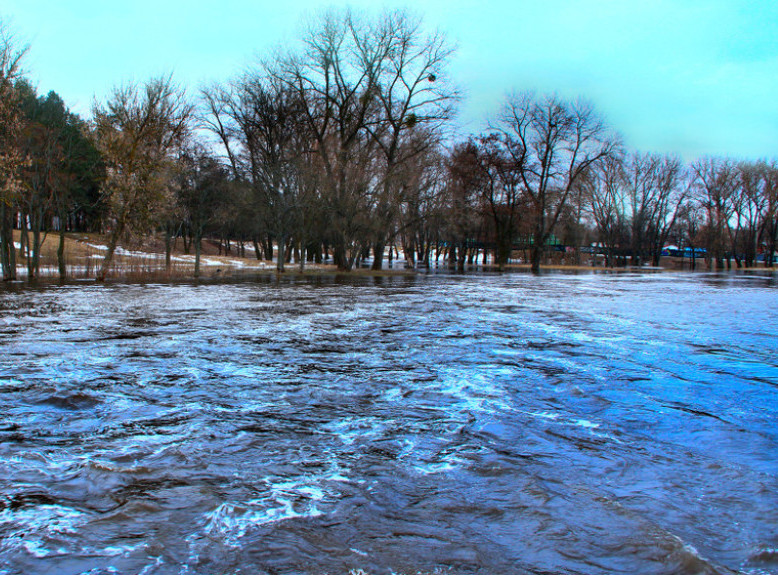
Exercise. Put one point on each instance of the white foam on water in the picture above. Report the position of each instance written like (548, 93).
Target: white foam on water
(284, 499)
(544, 414)
(586, 424)
(152, 567)
(352, 429)
(435, 467)
(474, 392)
(583, 423)
(393, 394)
(29, 528)
(450, 461)
(38, 462)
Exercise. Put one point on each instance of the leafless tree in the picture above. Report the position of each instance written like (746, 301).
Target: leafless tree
(556, 142)
(414, 100)
(656, 186)
(749, 204)
(138, 131)
(716, 183)
(11, 157)
(769, 227)
(691, 219)
(604, 192)
(366, 87)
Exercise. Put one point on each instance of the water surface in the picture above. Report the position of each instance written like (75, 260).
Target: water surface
(446, 424)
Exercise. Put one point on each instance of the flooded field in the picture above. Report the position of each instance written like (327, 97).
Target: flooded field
(508, 424)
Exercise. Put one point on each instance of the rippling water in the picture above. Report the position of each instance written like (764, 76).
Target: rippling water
(443, 424)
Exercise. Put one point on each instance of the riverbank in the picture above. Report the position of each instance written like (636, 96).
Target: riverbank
(84, 253)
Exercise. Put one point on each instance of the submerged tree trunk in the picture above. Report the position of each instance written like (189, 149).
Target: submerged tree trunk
(378, 255)
(168, 247)
(281, 260)
(113, 241)
(535, 254)
(37, 224)
(7, 254)
(198, 245)
(61, 251)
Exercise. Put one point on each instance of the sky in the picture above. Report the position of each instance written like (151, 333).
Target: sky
(686, 77)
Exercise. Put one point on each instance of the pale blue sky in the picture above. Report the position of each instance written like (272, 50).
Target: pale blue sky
(693, 77)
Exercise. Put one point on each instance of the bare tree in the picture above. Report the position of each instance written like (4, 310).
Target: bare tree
(11, 157)
(691, 219)
(716, 183)
(422, 216)
(334, 80)
(259, 121)
(749, 204)
(555, 143)
(604, 192)
(769, 227)
(464, 196)
(501, 191)
(203, 185)
(656, 186)
(414, 101)
(138, 131)
(366, 88)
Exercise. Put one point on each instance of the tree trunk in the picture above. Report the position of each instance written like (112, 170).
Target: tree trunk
(198, 245)
(536, 254)
(108, 260)
(7, 255)
(168, 249)
(378, 255)
(37, 224)
(281, 260)
(303, 253)
(61, 252)
(187, 238)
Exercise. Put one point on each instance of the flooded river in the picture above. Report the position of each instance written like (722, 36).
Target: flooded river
(577, 424)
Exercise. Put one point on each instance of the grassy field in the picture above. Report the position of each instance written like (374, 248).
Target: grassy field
(84, 253)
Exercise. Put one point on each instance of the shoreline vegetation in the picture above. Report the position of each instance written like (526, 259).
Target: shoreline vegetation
(340, 152)
(84, 253)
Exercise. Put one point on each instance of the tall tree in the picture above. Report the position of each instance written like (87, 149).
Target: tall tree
(414, 100)
(769, 227)
(464, 198)
(365, 86)
(604, 192)
(655, 186)
(202, 191)
(502, 191)
(716, 182)
(61, 174)
(553, 144)
(11, 157)
(260, 123)
(138, 132)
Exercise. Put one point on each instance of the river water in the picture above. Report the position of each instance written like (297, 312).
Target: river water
(488, 424)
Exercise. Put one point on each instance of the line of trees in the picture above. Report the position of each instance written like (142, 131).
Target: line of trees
(342, 148)
(717, 207)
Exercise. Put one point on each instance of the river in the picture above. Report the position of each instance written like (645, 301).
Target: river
(458, 424)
